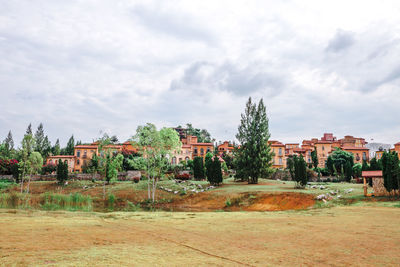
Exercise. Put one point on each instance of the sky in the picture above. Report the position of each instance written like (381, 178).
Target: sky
(85, 67)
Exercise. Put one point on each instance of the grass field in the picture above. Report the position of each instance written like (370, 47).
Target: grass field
(339, 236)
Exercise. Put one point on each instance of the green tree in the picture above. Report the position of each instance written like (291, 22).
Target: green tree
(39, 139)
(114, 164)
(375, 165)
(300, 171)
(29, 129)
(27, 147)
(62, 172)
(56, 150)
(391, 171)
(35, 162)
(69, 149)
(314, 158)
(253, 134)
(208, 164)
(290, 167)
(198, 168)
(337, 161)
(8, 146)
(157, 146)
(357, 170)
(348, 171)
(46, 147)
(203, 136)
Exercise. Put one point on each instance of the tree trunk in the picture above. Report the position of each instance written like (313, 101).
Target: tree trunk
(29, 182)
(148, 186)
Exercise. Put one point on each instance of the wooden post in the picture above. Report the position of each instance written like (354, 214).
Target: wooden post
(365, 187)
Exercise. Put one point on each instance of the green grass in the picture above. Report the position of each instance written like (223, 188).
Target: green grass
(71, 202)
(6, 184)
(14, 200)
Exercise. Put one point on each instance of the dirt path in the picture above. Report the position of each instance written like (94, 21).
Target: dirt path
(341, 236)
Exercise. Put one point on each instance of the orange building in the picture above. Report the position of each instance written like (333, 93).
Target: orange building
(279, 157)
(84, 153)
(225, 148)
(359, 153)
(184, 153)
(70, 160)
(197, 149)
(324, 148)
(396, 148)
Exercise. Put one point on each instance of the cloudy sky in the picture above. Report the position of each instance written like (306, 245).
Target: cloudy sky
(85, 66)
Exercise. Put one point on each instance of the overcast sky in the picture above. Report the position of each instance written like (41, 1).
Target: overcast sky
(84, 66)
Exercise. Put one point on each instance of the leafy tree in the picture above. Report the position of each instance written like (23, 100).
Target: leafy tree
(300, 171)
(39, 139)
(114, 164)
(337, 161)
(314, 157)
(375, 165)
(228, 160)
(8, 146)
(253, 134)
(203, 136)
(35, 162)
(46, 147)
(62, 171)
(365, 165)
(198, 168)
(56, 150)
(157, 146)
(29, 129)
(214, 172)
(330, 166)
(27, 147)
(190, 164)
(348, 171)
(357, 170)
(134, 163)
(69, 149)
(208, 164)
(114, 139)
(391, 171)
(290, 167)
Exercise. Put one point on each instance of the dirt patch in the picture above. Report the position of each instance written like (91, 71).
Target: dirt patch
(256, 201)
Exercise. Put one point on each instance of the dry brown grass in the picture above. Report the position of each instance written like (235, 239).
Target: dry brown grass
(341, 236)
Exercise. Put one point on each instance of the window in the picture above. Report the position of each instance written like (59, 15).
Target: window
(78, 154)
(280, 161)
(187, 158)
(323, 148)
(195, 150)
(280, 151)
(208, 149)
(364, 156)
(309, 160)
(201, 151)
(174, 160)
(77, 162)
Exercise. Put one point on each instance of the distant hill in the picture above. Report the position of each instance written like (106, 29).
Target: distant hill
(373, 147)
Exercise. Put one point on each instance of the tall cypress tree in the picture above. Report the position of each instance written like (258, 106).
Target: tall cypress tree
(69, 150)
(56, 148)
(46, 148)
(29, 129)
(39, 138)
(314, 157)
(198, 168)
(253, 134)
(9, 143)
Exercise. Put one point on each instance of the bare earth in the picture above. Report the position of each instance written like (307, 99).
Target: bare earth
(341, 236)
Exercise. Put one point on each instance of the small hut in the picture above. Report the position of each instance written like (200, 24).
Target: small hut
(377, 183)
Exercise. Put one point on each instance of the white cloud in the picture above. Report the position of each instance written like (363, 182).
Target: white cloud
(81, 67)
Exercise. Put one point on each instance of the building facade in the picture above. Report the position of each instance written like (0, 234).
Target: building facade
(55, 159)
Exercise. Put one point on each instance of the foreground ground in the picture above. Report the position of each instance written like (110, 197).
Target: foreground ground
(339, 236)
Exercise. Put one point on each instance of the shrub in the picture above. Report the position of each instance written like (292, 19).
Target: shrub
(49, 168)
(182, 176)
(111, 200)
(198, 168)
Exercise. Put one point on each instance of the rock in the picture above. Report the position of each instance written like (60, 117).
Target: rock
(313, 186)
(324, 200)
(176, 192)
(332, 193)
(319, 197)
(339, 196)
(322, 187)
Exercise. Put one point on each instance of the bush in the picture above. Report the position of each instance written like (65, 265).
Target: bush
(49, 168)
(182, 176)
(198, 168)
